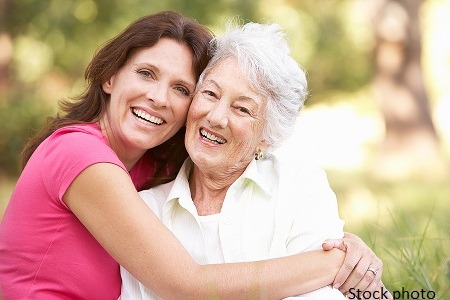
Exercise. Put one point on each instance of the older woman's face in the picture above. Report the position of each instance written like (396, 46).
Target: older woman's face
(225, 120)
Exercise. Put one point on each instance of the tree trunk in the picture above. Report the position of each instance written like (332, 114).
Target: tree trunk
(411, 144)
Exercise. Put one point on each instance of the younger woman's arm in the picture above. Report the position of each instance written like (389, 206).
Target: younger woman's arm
(106, 202)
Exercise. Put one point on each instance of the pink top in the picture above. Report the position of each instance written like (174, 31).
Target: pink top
(45, 251)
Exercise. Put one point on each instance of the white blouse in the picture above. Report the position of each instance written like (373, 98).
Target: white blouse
(210, 229)
(271, 210)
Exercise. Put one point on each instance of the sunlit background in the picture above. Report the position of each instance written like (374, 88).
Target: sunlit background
(377, 119)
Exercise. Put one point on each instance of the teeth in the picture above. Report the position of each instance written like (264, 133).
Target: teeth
(145, 116)
(212, 137)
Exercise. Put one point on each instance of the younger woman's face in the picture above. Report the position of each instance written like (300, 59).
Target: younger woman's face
(149, 97)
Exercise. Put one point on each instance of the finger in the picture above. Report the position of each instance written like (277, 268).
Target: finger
(333, 243)
(386, 292)
(377, 266)
(379, 286)
(351, 259)
(355, 291)
(370, 281)
(359, 278)
(381, 292)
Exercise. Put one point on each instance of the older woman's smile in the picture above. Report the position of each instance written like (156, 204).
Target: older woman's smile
(212, 137)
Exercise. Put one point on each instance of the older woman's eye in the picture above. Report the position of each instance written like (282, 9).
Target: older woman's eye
(244, 110)
(209, 94)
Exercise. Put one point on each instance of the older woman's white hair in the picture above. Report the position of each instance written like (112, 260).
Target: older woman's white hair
(264, 57)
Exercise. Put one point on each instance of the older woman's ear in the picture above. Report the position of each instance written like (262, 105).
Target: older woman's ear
(263, 146)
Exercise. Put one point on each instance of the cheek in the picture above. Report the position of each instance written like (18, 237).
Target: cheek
(249, 134)
(181, 111)
(196, 110)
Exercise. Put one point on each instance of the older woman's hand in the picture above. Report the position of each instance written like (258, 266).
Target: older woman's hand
(361, 270)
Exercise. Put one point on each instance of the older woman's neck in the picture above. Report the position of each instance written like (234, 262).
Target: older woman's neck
(208, 190)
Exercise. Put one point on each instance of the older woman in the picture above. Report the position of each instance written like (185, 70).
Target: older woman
(232, 201)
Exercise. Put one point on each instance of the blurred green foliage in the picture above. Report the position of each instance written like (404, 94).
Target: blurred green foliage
(406, 225)
(53, 41)
(20, 117)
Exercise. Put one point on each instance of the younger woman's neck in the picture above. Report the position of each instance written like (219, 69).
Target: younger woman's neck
(126, 156)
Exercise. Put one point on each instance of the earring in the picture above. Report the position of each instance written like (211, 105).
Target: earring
(259, 155)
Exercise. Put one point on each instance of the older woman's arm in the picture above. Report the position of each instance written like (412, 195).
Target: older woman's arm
(106, 202)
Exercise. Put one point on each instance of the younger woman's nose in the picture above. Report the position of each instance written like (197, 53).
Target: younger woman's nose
(158, 96)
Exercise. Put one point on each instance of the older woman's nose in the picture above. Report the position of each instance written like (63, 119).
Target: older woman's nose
(158, 96)
(218, 116)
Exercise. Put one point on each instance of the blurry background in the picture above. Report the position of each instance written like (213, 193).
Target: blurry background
(377, 119)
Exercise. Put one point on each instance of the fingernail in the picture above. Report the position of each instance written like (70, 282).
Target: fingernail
(337, 285)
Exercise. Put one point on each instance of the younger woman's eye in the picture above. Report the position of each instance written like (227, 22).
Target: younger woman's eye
(145, 73)
(183, 90)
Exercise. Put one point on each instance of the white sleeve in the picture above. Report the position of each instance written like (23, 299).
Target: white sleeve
(317, 217)
(316, 220)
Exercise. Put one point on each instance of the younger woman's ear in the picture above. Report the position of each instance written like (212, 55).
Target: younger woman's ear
(108, 85)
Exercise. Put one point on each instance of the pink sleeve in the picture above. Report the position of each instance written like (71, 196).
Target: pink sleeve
(67, 154)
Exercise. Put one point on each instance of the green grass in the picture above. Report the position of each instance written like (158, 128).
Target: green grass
(407, 225)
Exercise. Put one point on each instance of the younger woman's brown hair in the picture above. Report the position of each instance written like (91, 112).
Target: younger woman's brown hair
(143, 33)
